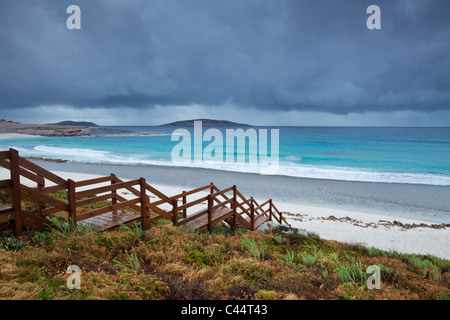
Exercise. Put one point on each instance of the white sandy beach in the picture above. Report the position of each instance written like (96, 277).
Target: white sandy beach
(341, 225)
(15, 135)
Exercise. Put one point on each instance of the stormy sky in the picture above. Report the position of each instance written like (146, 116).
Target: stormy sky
(266, 62)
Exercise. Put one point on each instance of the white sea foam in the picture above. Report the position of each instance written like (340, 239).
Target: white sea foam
(285, 169)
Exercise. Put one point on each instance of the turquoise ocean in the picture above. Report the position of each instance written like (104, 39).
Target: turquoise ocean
(369, 154)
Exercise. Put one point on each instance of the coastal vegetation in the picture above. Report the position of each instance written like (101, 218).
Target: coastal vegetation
(165, 262)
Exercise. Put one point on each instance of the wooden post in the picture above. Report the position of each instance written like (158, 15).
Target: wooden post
(113, 192)
(15, 194)
(72, 201)
(144, 209)
(270, 210)
(39, 187)
(175, 212)
(234, 204)
(184, 202)
(210, 204)
(252, 214)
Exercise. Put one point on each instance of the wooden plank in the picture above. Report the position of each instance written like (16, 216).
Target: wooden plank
(131, 189)
(192, 203)
(5, 155)
(4, 208)
(5, 183)
(42, 172)
(52, 189)
(184, 203)
(262, 205)
(222, 192)
(200, 219)
(91, 200)
(4, 218)
(257, 206)
(42, 199)
(34, 222)
(260, 222)
(30, 175)
(16, 193)
(193, 217)
(23, 172)
(244, 210)
(120, 185)
(71, 199)
(188, 193)
(50, 210)
(96, 212)
(153, 207)
(5, 164)
(157, 193)
(243, 198)
(92, 181)
(120, 198)
(144, 208)
(110, 220)
(175, 212)
(222, 204)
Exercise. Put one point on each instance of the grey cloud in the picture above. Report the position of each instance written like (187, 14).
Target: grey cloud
(279, 55)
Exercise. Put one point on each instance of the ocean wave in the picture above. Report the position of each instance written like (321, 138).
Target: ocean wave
(290, 169)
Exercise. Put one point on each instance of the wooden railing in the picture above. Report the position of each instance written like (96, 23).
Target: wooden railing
(151, 203)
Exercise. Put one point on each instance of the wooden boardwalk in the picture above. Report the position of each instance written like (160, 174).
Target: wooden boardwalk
(111, 220)
(144, 203)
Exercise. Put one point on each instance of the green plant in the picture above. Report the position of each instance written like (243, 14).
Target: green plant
(289, 256)
(12, 244)
(67, 227)
(278, 238)
(372, 251)
(324, 270)
(309, 259)
(257, 250)
(136, 229)
(319, 254)
(198, 257)
(352, 273)
(314, 235)
(133, 263)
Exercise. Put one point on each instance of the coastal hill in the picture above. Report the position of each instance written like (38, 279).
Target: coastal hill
(205, 123)
(75, 123)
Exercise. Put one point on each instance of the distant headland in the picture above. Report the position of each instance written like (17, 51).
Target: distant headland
(205, 123)
(63, 129)
(75, 123)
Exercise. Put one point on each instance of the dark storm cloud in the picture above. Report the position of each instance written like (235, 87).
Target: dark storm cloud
(311, 55)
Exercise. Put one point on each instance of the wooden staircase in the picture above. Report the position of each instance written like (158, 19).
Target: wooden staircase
(147, 204)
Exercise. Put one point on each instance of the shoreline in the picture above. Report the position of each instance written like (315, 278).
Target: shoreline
(429, 203)
(350, 225)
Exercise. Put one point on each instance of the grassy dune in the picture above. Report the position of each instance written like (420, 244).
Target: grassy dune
(164, 262)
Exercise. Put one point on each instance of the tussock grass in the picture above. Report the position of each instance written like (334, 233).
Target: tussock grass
(165, 262)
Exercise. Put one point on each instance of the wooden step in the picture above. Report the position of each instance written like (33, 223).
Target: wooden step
(259, 220)
(5, 213)
(201, 223)
(4, 209)
(110, 220)
(239, 224)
